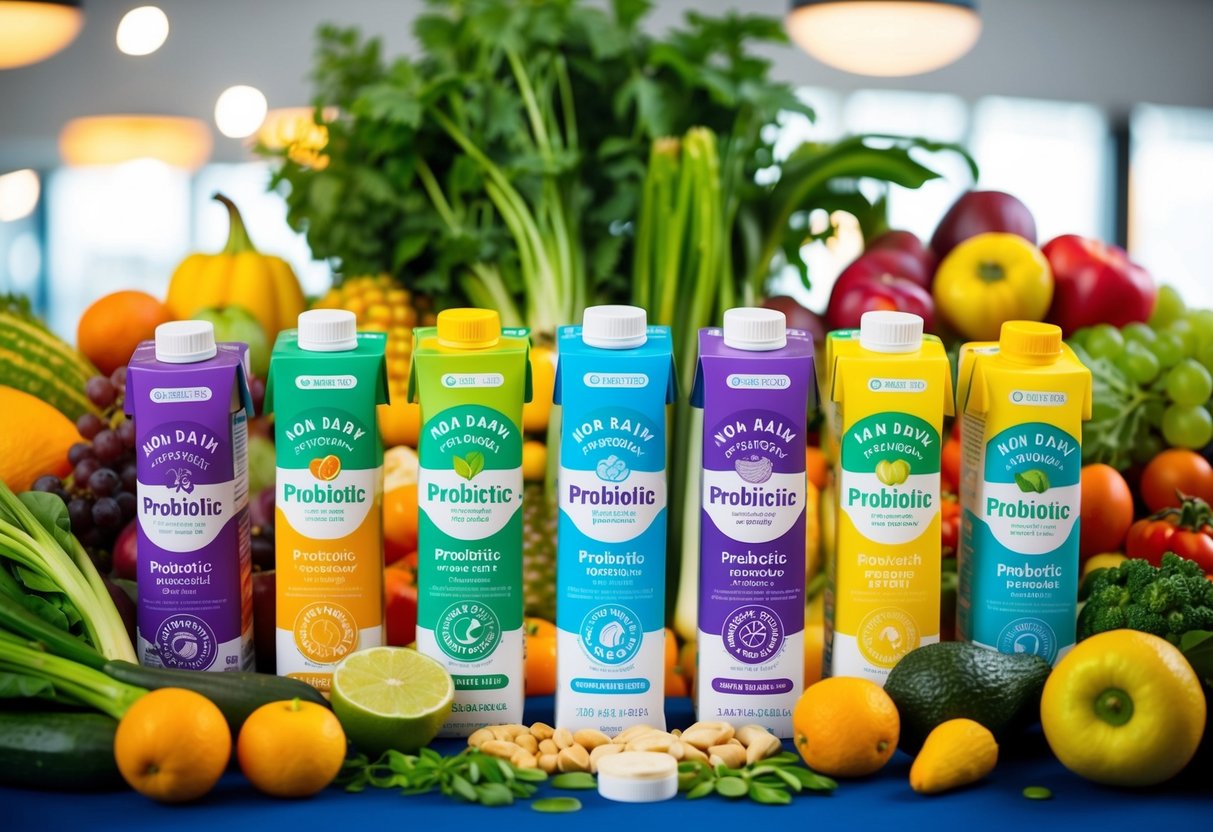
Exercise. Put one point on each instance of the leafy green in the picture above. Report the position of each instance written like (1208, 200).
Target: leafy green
(773, 781)
(1197, 647)
(1120, 413)
(469, 776)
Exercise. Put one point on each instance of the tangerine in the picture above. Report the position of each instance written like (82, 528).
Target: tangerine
(291, 748)
(845, 727)
(329, 468)
(539, 674)
(111, 328)
(400, 519)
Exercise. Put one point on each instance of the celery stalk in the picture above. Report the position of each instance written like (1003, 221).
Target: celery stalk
(85, 685)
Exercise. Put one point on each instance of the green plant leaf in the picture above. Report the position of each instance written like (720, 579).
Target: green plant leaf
(462, 469)
(1197, 647)
(475, 461)
(1033, 481)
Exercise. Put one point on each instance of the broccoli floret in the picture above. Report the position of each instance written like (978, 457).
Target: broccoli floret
(1169, 600)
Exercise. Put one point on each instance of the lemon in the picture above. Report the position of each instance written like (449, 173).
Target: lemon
(1123, 708)
(391, 697)
(1108, 560)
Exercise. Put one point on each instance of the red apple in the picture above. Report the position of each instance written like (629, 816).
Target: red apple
(126, 560)
(977, 212)
(879, 281)
(798, 317)
(906, 242)
(1096, 283)
(265, 588)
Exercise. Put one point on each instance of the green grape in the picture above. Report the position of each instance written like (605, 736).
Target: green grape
(1105, 341)
(1139, 332)
(1186, 332)
(1205, 356)
(1202, 325)
(1187, 426)
(1189, 383)
(1137, 363)
(1146, 449)
(1168, 348)
(1079, 337)
(1169, 307)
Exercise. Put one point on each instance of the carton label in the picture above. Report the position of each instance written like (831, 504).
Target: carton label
(889, 482)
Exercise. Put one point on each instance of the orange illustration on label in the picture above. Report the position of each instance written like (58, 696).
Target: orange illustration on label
(326, 468)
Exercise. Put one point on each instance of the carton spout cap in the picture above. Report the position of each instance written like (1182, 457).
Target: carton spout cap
(328, 330)
(185, 342)
(755, 329)
(1030, 342)
(614, 327)
(469, 328)
(891, 332)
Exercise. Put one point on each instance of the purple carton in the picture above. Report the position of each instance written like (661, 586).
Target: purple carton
(755, 385)
(190, 402)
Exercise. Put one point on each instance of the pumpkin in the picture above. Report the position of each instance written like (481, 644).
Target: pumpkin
(237, 276)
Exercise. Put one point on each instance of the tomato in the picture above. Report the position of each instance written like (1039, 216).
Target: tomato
(399, 606)
(949, 464)
(539, 674)
(1150, 538)
(949, 513)
(1172, 471)
(1107, 510)
(1195, 546)
(1185, 531)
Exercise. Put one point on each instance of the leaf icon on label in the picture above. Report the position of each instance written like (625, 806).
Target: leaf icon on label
(475, 461)
(462, 469)
(1033, 481)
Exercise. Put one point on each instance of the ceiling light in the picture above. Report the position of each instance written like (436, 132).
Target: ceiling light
(33, 31)
(19, 192)
(240, 111)
(142, 31)
(885, 37)
(112, 140)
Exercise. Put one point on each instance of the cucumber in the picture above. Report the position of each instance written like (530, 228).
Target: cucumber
(58, 750)
(237, 693)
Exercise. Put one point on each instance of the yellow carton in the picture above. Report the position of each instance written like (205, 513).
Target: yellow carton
(887, 389)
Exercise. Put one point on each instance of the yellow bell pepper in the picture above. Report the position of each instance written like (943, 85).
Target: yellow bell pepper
(238, 276)
(989, 279)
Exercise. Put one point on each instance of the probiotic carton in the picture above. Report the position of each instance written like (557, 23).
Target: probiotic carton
(326, 379)
(889, 388)
(755, 383)
(1023, 401)
(472, 378)
(614, 380)
(190, 402)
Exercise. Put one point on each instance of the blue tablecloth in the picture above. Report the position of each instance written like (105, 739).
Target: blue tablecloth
(883, 801)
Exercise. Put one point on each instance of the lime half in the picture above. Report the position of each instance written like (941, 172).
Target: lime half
(391, 697)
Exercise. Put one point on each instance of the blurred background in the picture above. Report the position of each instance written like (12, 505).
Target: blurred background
(1098, 114)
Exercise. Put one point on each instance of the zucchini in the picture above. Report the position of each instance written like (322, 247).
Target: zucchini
(236, 693)
(58, 750)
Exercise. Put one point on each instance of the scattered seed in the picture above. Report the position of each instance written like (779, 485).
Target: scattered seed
(557, 804)
(1037, 793)
(574, 780)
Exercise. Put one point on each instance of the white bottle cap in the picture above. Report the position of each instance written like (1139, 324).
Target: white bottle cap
(638, 777)
(185, 342)
(328, 330)
(755, 329)
(882, 331)
(614, 327)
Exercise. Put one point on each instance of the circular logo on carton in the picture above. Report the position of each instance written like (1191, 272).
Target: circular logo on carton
(1028, 635)
(887, 634)
(186, 642)
(468, 631)
(753, 633)
(611, 634)
(325, 633)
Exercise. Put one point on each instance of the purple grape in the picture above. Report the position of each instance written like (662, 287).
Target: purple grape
(256, 388)
(89, 425)
(81, 514)
(47, 482)
(126, 502)
(262, 549)
(104, 482)
(106, 513)
(118, 378)
(100, 391)
(84, 469)
(108, 446)
(126, 432)
(80, 452)
(62, 494)
(90, 539)
(130, 477)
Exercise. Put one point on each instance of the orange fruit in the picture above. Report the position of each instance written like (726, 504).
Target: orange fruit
(113, 326)
(845, 727)
(814, 652)
(676, 683)
(291, 749)
(688, 664)
(671, 649)
(539, 674)
(172, 745)
(816, 466)
(329, 468)
(400, 423)
(534, 460)
(34, 439)
(400, 519)
(537, 412)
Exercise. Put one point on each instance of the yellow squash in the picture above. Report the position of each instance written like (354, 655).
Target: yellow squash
(989, 279)
(237, 276)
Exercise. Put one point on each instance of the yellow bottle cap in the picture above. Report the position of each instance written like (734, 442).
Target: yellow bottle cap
(469, 329)
(1030, 342)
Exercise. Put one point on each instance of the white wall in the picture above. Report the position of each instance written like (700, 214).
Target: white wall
(1111, 52)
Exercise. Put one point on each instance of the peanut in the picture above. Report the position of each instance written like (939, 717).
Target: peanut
(761, 748)
(563, 738)
(703, 735)
(524, 759)
(746, 734)
(690, 752)
(502, 732)
(651, 741)
(677, 749)
(479, 737)
(517, 730)
(527, 742)
(542, 731)
(628, 734)
(548, 747)
(573, 758)
(500, 748)
(589, 739)
(603, 751)
(547, 762)
(730, 756)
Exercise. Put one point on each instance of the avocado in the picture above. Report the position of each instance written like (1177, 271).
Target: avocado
(952, 679)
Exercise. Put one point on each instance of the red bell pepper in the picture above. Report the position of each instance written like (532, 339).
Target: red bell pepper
(1186, 531)
(1096, 283)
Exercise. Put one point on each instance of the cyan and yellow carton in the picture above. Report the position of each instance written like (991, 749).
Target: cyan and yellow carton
(471, 378)
(1022, 401)
(887, 390)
